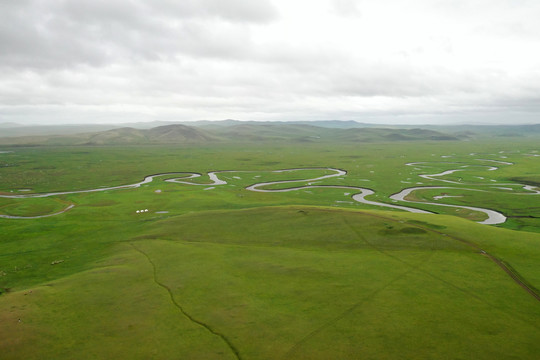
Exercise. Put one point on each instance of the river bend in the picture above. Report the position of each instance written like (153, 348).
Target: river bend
(359, 194)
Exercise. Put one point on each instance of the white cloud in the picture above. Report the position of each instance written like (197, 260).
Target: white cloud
(83, 61)
(347, 7)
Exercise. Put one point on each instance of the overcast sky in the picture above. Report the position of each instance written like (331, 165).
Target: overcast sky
(387, 61)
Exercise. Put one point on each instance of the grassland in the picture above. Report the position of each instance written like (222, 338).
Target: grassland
(229, 273)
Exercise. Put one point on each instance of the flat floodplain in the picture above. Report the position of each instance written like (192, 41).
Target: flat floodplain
(218, 271)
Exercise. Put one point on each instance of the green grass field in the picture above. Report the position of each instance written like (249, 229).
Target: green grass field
(218, 272)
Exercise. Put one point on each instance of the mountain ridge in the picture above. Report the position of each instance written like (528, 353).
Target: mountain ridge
(236, 132)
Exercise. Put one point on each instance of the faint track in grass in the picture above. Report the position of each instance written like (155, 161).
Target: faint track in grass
(411, 268)
(516, 277)
(289, 354)
(229, 344)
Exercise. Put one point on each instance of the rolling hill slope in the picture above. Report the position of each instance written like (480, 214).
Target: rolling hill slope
(249, 131)
(167, 134)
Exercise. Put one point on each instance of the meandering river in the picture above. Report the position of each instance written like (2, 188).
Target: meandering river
(358, 194)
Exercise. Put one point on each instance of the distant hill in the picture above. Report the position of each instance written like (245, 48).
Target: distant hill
(124, 135)
(334, 124)
(460, 131)
(384, 134)
(175, 133)
(168, 134)
(271, 131)
(239, 131)
(488, 130)
(40, 130)
(159, 135)
(9, 125)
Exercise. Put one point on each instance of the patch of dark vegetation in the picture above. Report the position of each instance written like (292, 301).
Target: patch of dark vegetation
(406, 230)
(465, 134)
(24, 145)
(103, 203)
(426, 224)
(4, 290)
(145, 237)
(527, 180)
(303, 140)
(49, 167)
(269, 163)
(412, 230)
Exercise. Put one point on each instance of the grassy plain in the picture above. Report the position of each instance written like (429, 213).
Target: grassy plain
(229, 273)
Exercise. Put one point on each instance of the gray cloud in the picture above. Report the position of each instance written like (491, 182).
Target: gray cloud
(270, 59)
(45, 34)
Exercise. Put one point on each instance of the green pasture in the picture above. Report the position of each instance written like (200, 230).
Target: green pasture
(31, 206)
(218, 272)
